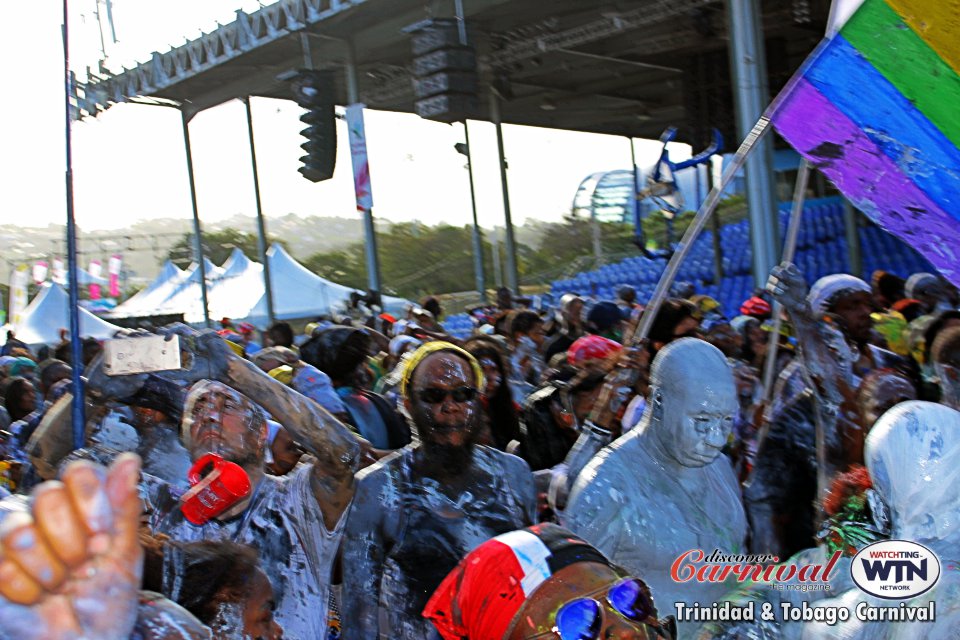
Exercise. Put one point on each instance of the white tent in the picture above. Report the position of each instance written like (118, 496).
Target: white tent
(48, 313)
(187, 293)
(153, 295)
(236, 291)
(300, 293)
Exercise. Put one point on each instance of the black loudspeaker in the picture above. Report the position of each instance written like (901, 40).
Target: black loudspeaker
(314, 91)
(445, 81)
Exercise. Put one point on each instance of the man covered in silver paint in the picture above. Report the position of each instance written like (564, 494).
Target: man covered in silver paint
(417, 512)
(663, 488)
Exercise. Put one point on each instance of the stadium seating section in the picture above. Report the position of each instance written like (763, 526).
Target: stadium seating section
(821, 250)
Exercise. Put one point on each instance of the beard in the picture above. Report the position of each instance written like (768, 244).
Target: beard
(440, 456)
(448, 457)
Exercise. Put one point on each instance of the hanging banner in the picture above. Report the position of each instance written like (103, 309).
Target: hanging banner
(113, 268)
(95, 270)
(18, 293)
(59, 275)
(40, 270)
(358, 155)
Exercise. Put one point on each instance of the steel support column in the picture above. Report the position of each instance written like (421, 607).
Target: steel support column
(369, 230)
(77, 411)
(513, 280)
(477, 241)
(751, 96)
(197, 233)
(261, 224)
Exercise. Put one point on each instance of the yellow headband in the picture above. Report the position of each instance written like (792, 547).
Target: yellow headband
(433, 347)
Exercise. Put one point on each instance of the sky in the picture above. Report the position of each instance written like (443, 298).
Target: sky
(129, 162)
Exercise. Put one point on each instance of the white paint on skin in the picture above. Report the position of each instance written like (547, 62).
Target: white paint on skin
(682, 493)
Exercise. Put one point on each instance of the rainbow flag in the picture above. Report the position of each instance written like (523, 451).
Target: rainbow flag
(876, 108)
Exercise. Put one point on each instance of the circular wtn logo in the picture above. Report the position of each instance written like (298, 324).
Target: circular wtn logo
(895, 569)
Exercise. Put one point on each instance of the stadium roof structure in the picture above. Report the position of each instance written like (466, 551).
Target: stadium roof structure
(626, 67)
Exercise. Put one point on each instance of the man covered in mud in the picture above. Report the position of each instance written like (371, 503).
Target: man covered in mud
(417, 512)
(294, 521)
(834, 327)
(663, 488)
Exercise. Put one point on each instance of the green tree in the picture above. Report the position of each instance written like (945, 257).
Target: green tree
(217, 245)
(415, 260)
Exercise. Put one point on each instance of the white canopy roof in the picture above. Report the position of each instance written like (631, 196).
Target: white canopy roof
(237, 291)
(48, 313)
(154, 294)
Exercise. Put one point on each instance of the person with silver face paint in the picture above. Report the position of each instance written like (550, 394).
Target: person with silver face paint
(663, 488)
(913, 456)
(417, 512)
(815, 393)
(295, 521)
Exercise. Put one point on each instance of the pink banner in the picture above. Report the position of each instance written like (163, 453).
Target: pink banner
(113, 267)
(95, 270)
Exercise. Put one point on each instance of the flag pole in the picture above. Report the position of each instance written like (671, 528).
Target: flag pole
(76, 347)
(789, 249)
(709, 206)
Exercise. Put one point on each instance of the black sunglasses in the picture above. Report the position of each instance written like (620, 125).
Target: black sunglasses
(435, 395)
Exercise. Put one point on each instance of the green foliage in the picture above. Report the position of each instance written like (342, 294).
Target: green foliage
(217, 245)
(414, 260)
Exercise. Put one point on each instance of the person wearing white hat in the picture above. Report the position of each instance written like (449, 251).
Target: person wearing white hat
(833, 324)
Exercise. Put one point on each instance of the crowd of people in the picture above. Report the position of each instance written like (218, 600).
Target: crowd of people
(373, 477)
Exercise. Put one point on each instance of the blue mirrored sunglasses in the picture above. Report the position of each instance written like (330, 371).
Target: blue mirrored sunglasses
(582, 618)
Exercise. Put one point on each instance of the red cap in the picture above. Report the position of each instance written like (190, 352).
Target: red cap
(756, 307)
(591, 348)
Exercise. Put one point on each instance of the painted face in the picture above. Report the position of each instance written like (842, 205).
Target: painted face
(491, 373)
(249, 617)
(258, 622)
(219, 420)
(286, 454)
(443, 400)
(585, 589)
(879, 392)
(696, 420)
(854, 311)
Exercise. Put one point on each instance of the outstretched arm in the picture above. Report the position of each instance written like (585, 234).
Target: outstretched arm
(826, 355)
(71, 567)
(828, 361)
(337, 450)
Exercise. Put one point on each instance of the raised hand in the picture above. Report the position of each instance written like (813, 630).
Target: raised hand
(71, 567)
(787, 285)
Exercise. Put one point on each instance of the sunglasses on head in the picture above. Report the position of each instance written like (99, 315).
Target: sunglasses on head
(435, 395)
(581, 619)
